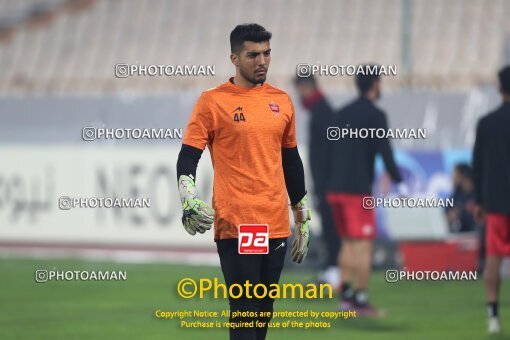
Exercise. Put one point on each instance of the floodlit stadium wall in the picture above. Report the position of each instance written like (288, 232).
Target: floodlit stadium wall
(45, 157)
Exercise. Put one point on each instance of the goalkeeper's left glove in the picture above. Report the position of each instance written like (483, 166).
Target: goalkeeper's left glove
(302, 217)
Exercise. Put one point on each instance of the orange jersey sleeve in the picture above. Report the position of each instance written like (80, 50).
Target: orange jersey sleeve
(200, 124)
(289, 136)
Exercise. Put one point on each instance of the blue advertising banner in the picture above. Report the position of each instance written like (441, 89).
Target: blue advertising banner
(425, 173)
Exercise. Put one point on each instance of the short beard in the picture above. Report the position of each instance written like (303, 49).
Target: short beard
(252, 79)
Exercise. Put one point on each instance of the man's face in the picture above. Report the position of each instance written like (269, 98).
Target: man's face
(253, 61)
(458, 179)
(377, 89)
(305, 90)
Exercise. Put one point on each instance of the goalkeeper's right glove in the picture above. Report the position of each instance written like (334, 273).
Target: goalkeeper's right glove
(196, 215)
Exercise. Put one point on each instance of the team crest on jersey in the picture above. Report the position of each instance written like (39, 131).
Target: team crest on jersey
(275, 108)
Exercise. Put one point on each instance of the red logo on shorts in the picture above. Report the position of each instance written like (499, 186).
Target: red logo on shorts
(275, 108)
(253, 239)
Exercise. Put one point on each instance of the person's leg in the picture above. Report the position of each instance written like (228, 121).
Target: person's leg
(362, 229)
(482, 251)
(346, 264)
(345, 258)
(358, 227)
(362, 249)
(238, 268)
(497, 246)
(492, 279)
(363, 254)
(331, 239)
(272, 265)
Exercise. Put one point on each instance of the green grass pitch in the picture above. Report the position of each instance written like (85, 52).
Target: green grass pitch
(125, 309)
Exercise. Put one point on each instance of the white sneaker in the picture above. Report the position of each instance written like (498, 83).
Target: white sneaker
(332, 276)
(494, 326)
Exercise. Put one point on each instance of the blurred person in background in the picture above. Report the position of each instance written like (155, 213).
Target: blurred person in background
(491, 165)
(321, 116)
(461, 216)
(351, 173)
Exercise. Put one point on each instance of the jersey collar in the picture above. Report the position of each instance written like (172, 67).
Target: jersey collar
(238, 89)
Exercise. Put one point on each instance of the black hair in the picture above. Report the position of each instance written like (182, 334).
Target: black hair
(464, 170)
(365, 81)
(247, 32)
(504, 79)
(309, 79)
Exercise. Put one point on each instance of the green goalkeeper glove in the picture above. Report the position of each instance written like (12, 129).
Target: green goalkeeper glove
(301, 241)
(196, 216)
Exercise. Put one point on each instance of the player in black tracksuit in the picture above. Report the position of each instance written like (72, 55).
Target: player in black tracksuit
(350, 180)
(491, 168)
(353, 172)
(321, 116)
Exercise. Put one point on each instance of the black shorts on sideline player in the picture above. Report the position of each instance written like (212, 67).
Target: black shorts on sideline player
(257, 269)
